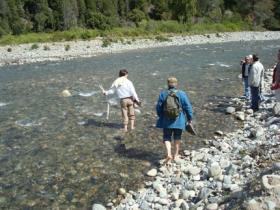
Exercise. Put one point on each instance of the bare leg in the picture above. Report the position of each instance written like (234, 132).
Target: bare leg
(132, 122)
(177, 148)
(168, 150)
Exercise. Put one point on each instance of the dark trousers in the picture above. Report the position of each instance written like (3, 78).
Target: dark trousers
(255, 97)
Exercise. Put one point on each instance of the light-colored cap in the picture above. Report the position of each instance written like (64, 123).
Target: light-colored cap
(172, 80)
(250, 56)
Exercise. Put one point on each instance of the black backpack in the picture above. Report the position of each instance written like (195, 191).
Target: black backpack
(171, 105)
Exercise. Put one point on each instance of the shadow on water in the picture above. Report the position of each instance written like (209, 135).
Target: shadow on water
(102, 124)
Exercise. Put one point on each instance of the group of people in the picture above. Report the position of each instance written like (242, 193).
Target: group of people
(252, 76)
(174, 109)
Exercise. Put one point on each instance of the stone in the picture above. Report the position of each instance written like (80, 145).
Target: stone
(270, 205)
(184, 206)
(187, 153)
(271, 182)
(204, 193)
(224, 163)
(253, 205)
(98, 207)
(188, 194)
(144, 205)
(215, 170)
(257, 132)
(240, 116)
(121, 191)
(163, 201)
(220, 133)
(152, 172)
(66, 93)
(249, 111)
(194, 171)
(212, 206)
(276, 109)
(276, 166)
(230, 110)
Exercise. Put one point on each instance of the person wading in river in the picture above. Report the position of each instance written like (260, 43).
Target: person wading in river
(126, 93)
(276, 78)
(172, 108)
(255, 82)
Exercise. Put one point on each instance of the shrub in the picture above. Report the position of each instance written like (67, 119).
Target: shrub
(9, 49)
(34, 46)
(106, 42)
(46, 47)
(136, 15)
(67, 47)
(162, 38)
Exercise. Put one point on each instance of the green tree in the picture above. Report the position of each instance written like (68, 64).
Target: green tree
(184, 10)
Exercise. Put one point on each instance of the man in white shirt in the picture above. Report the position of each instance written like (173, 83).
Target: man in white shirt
(255, 82)
(125, 91)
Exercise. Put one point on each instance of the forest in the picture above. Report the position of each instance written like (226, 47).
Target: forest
(25, 16)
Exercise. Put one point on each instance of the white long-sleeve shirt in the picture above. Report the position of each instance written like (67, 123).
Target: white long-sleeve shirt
(256, 74)
(124, 89)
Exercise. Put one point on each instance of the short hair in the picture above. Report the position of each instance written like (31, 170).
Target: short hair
(172, 80)
(255, 57)
(123, 72)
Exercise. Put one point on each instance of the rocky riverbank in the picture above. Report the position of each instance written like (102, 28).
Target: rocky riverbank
(32, 53)
(239, 170)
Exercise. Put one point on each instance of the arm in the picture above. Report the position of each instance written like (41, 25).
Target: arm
(133, 92)
(111, 91)
(186, 106)
(159, 107)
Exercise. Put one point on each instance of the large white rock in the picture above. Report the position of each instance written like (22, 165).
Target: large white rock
(253, 205)
(271, 182)
(215, 170)
(240, 116)
(152, 172)
(212, 206)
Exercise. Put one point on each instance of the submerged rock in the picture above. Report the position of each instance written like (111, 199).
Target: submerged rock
(230, 110)
(66, 93)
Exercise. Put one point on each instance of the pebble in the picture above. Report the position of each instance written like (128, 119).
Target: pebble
(215, 170)
(230, 110)
(212, 206)
(66, 93)
(152, 172)
(121, 191)
(98, 207)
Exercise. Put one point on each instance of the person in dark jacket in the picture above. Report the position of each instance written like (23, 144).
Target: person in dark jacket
(246, 66)
(173, 127)
(276, 78)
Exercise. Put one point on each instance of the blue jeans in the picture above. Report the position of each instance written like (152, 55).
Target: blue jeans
(246, 87)
(255, 97)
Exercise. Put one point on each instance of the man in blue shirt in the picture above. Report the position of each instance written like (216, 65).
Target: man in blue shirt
(173, 127)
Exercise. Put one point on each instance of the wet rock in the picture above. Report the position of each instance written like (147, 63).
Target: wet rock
(215, 170)
(66, 93)
(152, 172)
(98, 207)
(271, 182)
(121, 191)
(212, 206)
(276, 109)
(220, 133)
(230, 110)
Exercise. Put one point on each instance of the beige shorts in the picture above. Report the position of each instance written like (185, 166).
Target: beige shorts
(127, 109)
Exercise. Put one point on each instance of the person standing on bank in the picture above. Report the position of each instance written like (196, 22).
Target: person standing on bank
(172, 108)
(246, 66)
(126, 93)
(276, 78)
(255, 82)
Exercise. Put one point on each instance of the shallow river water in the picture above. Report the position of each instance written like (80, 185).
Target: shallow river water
(61, 153)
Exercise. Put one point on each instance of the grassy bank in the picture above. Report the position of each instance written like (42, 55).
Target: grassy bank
(146, 29)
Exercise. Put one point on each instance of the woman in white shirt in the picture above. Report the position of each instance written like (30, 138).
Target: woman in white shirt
(125, 91)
